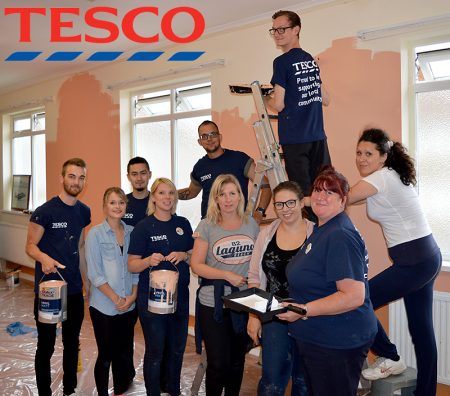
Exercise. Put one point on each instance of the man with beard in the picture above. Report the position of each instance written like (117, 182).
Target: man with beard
(56, 241)
(139, 174)
(218, 161)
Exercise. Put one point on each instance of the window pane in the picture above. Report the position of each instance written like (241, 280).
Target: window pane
(38, 180)
(22, 156)
(187, 154)
(433, 142)
(153, 143)
(152, 104)
(195, 97)
(22, 124)
(39, 122)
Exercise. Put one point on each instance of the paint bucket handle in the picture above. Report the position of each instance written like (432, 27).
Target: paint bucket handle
(152, 268)
(43, 276)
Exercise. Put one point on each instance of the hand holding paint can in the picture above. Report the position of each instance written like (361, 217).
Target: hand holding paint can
(52, 306)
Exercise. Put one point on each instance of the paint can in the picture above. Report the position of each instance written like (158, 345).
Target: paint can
(52, 306)
(163, 285)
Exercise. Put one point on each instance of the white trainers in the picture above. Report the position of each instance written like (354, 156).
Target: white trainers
(382, 368)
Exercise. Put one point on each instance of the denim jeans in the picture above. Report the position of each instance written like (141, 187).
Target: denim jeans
(113, 335)
(163, 334)
(46, 346)
(280, 362)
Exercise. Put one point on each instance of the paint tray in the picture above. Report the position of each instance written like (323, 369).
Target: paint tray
(254, 301)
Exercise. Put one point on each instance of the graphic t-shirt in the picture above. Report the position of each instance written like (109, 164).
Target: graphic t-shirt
(228, 250)
(301, 120)
(136, 210)
(62, 225)
(206, 170)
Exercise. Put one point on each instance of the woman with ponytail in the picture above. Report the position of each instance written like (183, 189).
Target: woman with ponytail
(387, 185)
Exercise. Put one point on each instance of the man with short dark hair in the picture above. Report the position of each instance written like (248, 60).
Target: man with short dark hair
(56, 241)
(139, 175)
(298, 97)
(219, 161)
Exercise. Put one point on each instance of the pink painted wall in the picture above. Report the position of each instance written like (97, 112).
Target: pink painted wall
(87, 127)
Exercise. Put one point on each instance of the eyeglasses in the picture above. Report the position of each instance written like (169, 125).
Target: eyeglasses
(279, 30)
(289, 204)
(209, 135)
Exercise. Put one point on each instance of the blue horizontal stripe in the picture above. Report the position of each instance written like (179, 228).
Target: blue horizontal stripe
(104, 56)
(186, 55)
(23, 56)
(145, 56)
(64, 56)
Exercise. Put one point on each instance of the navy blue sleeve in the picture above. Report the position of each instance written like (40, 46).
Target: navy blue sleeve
(345, 257)
(138, 241)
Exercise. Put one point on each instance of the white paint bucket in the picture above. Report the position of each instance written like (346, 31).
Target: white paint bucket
(52, 301)
(162, 296)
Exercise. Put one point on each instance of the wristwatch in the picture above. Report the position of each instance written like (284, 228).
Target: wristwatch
(261, 210)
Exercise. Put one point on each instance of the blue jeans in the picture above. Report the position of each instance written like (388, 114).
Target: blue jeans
(163, 333)
(280, 362)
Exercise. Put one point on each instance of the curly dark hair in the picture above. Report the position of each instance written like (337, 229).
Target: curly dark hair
(397, 157)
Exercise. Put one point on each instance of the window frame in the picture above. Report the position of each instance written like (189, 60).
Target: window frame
(414, 87)
(32, 114)
(172, 117)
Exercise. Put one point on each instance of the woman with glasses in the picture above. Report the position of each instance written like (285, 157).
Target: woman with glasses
(274, 248)
(328, 279)
(222, 250)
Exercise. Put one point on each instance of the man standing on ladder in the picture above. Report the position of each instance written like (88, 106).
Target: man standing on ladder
(298, 98)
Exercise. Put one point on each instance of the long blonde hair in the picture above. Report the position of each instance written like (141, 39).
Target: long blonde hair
(213, 214)
(161, 180)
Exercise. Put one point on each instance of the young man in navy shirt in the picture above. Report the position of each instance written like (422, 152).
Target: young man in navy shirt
(218, 161)
(56, 241)
(298, 97)
(139, 175)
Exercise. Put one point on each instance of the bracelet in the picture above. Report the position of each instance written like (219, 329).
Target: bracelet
(118, 301)
(186, 258)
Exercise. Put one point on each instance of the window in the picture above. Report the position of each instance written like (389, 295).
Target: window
(28, 152)
(165, 123)
(432, 101)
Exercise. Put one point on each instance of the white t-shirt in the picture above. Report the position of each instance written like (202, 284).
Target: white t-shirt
(396, 207)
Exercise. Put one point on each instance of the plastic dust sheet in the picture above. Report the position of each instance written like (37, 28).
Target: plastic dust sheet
(17, 353)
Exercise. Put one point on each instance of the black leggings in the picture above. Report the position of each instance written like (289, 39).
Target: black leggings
(225, 353)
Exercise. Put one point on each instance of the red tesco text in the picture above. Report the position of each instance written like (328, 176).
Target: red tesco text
(93, 19)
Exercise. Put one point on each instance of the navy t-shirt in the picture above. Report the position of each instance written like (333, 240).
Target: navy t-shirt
(155, 236)
(136, 210)
(62, 225)
(206, 170)
(301, 120)
(334, 251)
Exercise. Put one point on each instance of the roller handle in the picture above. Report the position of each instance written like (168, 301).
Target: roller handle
(293, 308)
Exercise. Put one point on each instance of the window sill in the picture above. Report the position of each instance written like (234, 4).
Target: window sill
(21, 214)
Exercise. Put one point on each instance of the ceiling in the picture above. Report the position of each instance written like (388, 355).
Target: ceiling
(218, 15)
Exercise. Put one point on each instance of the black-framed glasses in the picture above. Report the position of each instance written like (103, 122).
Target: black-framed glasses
(279, 30)
(290, 203)
(209, 135)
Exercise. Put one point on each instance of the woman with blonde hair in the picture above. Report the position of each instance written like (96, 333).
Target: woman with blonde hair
(222, 250)
(112, 294)
(161, 241)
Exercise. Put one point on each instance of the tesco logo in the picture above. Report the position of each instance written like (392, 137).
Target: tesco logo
(93, 19)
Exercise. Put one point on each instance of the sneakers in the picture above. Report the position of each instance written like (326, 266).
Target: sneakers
(382, 368)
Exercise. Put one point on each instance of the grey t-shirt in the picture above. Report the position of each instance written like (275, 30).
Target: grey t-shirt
(228, 250)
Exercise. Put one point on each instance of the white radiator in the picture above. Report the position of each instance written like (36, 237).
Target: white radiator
(12, 244)
(399, 334)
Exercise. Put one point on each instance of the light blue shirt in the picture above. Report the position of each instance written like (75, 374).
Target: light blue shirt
(107, 264)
